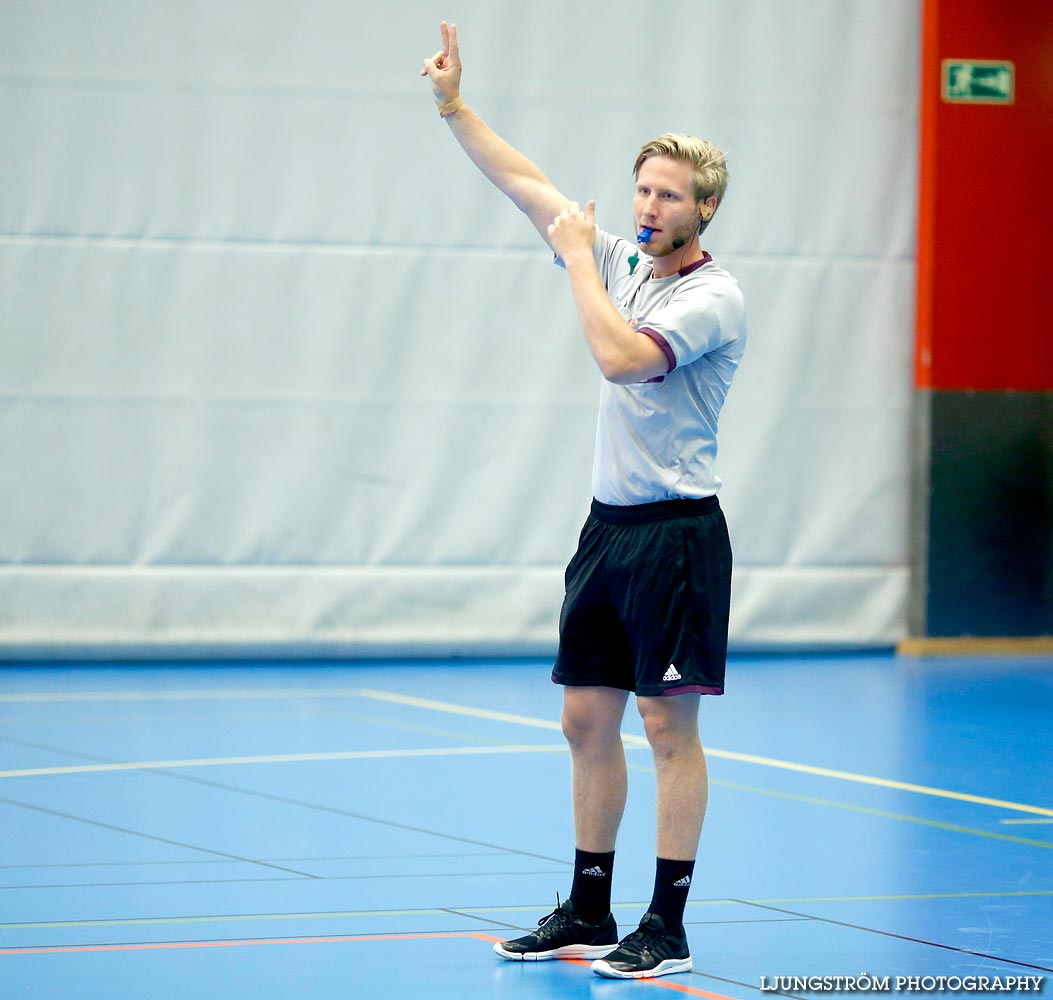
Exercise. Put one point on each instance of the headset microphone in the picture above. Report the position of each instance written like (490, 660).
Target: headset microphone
(702, 223)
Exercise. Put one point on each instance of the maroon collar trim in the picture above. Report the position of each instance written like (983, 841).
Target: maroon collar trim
(706, 259)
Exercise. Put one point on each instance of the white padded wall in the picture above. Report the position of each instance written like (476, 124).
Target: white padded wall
(280, 372)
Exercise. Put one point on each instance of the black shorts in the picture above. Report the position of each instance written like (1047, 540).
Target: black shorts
(648, 595)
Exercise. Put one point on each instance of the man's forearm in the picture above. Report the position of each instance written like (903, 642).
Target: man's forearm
(622, 354)
(503, 165)
(519, 178)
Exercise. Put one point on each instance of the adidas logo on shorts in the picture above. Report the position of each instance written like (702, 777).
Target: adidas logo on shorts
(597, 870)
(672, 674)
(682, 883)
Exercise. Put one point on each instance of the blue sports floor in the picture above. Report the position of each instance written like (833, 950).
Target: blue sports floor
(366, 830)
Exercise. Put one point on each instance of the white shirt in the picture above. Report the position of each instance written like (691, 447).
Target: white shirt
(657, 440)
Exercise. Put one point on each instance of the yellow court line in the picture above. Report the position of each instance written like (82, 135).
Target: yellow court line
(746, 758)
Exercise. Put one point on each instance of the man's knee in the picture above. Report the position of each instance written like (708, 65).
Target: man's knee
(592, 716)
(671, 725)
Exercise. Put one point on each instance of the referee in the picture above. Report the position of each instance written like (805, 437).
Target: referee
(648, 590)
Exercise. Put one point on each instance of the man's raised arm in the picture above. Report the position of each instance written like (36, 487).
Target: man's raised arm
(506, 168)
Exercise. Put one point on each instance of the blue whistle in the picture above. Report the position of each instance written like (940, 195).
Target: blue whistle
(645, 234)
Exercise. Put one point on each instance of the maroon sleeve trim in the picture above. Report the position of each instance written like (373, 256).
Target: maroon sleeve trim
(670, 357)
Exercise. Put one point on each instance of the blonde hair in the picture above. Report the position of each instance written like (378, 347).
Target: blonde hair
(708, 165)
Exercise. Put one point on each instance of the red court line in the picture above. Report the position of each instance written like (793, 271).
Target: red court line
(665, 984)
(243, 943)
(255, 942)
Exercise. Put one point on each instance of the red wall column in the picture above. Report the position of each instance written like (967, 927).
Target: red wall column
(985, 237)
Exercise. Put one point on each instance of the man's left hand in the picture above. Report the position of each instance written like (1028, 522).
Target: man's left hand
(573, 231)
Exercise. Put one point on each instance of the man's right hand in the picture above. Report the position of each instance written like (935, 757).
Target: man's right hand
(444, 68)
(504, 166)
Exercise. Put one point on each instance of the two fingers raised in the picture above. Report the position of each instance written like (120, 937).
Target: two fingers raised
(448, 55)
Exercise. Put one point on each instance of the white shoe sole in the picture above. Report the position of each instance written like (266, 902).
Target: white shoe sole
(666, 968)
(567, 951)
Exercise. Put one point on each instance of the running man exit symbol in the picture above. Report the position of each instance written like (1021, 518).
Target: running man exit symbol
(972, 81)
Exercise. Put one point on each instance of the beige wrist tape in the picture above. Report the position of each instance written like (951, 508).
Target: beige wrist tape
(450, 107)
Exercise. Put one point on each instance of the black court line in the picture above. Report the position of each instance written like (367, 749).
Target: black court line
(483, 920)
(465, 912)
(59, 751)
(213, 917)
(687, 923)
(297, 878)
(130, 885)
(149, 836)
(903, 937)
(224, 861)
(332, 810)
(340, 938)
(276, 938)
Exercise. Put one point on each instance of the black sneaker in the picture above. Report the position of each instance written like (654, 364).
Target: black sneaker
(561, 934)
(649, 951)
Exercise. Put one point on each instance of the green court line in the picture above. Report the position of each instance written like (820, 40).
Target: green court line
(468, 911)
(810, 800)
(884, 814)
(224, 919)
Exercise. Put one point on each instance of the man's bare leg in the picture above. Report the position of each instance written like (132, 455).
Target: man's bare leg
(660, 945)
(583, 926)
(592, 721)
(671, 725)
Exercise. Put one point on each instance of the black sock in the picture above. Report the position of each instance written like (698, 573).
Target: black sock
(672, 882)
(590, 892)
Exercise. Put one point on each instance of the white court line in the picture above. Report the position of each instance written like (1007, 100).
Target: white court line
(205, 694)
(525, 720)
(284, 759)
(479, 713)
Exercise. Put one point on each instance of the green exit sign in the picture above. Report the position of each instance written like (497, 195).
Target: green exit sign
(978, 81)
